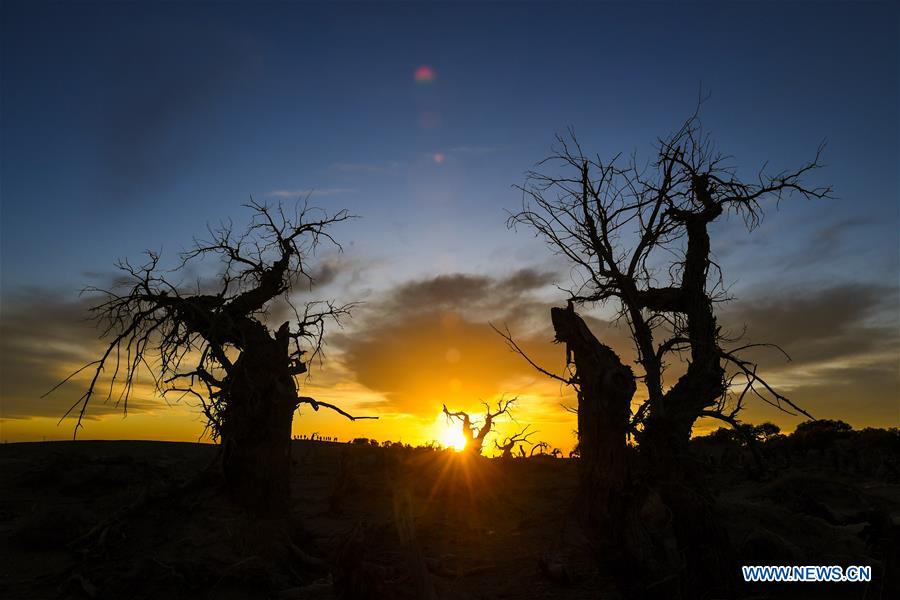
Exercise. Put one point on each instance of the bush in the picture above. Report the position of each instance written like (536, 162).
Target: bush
(820, 434)
(766, 431)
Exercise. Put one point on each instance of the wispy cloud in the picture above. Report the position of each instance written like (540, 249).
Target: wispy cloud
(300, 193)
(393, 167)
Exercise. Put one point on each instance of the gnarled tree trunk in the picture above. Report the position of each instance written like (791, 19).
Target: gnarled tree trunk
(653, 525)
(256, 428)
(605, 390)
(664, 441)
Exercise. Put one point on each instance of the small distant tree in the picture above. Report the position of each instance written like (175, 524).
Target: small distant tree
(766, 431)
(476, 434)
(509, 442)
(821, 433)
(541, 447)
(210, 340)
(832, 426)
(722, 435)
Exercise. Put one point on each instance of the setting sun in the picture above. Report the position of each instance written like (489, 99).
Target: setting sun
(452, 437)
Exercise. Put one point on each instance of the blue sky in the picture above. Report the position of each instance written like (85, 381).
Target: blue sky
(128, 126)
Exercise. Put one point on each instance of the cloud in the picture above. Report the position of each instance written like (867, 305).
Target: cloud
(44, 337)
(828, 239)
(429, 341)
(328, 270)
(376, 168)
(813, 245)
(820, 324)
(460, 290)
(301, 193)
(328, 278)
(844, 344)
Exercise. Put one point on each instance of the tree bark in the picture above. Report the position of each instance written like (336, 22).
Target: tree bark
(605, 390)
(665, 438)
(256, 432)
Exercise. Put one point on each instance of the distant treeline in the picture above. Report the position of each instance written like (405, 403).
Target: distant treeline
(362, 441)
(825, 443)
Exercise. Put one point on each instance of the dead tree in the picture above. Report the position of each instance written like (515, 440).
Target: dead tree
(605, 388)
(475, 435)
(638, 238)
(510, 442)
(539, 446)
(210, 341)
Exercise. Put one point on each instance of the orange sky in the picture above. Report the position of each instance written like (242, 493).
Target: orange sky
(403, 375)
(402, 366)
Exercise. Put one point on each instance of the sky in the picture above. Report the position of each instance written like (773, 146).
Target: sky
(127, 126)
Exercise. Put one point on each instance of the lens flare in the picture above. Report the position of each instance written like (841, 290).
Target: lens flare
(453, 438)
(439, 157)
(424, 74)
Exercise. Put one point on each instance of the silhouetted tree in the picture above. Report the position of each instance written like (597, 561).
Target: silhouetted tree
(639, 240)
(510, 442)
(605, 388)
(575, 452)
(540, 446)
(210, 340)
(766, 431)
(475, 435)
(820, 434)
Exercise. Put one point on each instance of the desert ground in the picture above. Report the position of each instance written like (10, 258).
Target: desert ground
(129, 519)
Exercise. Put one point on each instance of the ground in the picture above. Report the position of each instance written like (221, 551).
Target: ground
(135, 520)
